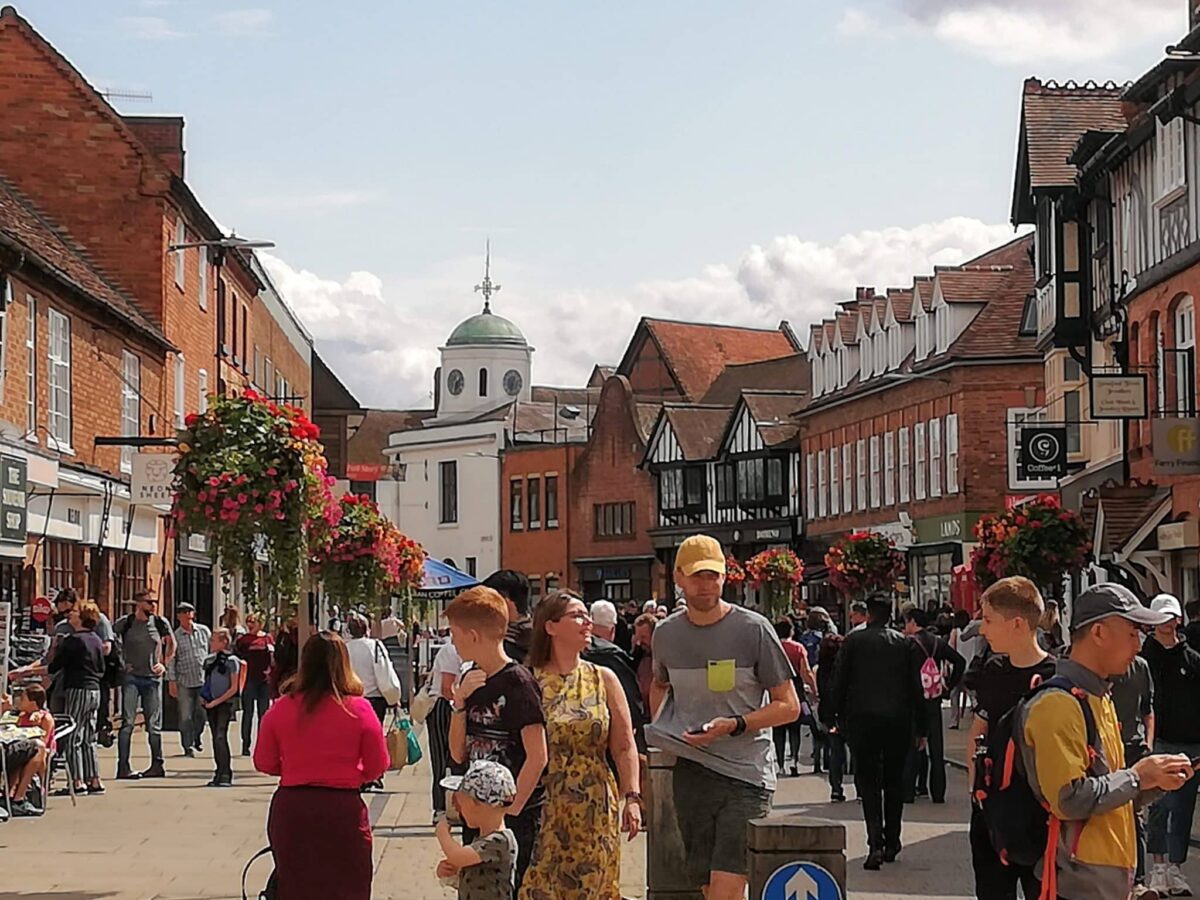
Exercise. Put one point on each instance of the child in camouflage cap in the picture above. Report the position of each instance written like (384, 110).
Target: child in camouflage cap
(485, 868)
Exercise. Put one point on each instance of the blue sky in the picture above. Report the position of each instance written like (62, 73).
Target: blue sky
(729, 161)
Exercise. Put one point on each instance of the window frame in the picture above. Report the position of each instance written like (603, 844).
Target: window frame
(447, 492)
(533, 502)
(516, 504)
(725, 486)
(919, 470)
(59, 367)
(822, 485)
(860, 473)
(889, 468)
(835, 477)
(550, 499)
(31, 365)
(1072, 419)
(952, 459)
(847, 478)
(180, 390)
(202, 391)
(131, 404)
(1171, 159)
(180, 255)
(874, 494)
(670, 489)
(904, 464)
(202, 275)
(934, 430)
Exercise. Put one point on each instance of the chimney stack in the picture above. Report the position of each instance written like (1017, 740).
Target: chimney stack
(864, 293)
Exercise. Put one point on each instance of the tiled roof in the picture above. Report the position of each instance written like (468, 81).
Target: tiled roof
(787, 373)
(996, 330)
(647, 415)
(698, 429)
(923, 291)
(574, 396)
(367, 443)
(901, 301)
(697, 353)
(847, 323)
(50, 248)
(1054, 116)
(1014, 253)
(542, 421)
(1126, 508)
(972, 285)
(773, 411)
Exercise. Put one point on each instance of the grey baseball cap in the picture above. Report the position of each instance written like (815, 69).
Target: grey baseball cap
(1110, 599)
(488, 782)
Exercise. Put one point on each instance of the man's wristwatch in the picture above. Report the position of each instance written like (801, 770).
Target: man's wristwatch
(739, 726)
(634, 797)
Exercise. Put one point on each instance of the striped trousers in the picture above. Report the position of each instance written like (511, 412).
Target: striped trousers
(438, 725)
(83, 706)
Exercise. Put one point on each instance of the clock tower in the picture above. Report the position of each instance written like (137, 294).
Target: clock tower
(486, 361)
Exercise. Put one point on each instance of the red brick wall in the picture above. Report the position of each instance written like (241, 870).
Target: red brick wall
(60, 145)
(607, 472)
(1159, 304)
(273, 342)
(545, 551)
(980, 396)
(649, 376)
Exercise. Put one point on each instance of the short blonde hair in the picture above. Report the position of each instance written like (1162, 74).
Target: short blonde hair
(223, 632)
(1016, 597)
(89, 613)
(481, 609)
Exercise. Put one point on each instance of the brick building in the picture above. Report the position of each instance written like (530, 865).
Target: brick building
(908, 431)
(117, 185)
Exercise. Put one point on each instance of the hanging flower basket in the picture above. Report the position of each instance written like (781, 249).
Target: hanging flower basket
(777, 573)
(1038, 539)
(251, 477)
(364, 559)
(862, 563)
(734, 573)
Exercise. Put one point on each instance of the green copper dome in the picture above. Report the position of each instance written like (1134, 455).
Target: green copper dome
(486, 328)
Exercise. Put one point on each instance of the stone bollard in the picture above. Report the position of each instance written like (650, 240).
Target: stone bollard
(797, 857)
(665, 871)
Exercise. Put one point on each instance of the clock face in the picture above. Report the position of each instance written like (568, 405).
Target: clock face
(455, 382)
(512, 382)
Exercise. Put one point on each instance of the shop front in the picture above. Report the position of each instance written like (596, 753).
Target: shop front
(620, 579)
(1180, 541)
(942, 543)
(192, 578)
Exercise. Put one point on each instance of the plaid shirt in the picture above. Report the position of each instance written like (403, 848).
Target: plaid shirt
(187, 665)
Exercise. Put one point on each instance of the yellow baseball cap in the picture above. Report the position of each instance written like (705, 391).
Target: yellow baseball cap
(700, 553)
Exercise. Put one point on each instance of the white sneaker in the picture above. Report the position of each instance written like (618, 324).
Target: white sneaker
(1177, 883)
(1158, 880)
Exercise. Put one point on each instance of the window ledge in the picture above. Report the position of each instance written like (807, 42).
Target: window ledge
(447, 525)
(1171, 196)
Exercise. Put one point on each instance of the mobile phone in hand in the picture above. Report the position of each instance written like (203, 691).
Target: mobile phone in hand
(701, 729)
(1195, 762)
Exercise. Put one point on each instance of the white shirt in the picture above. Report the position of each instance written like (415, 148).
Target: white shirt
(446, 661)
(362, 661)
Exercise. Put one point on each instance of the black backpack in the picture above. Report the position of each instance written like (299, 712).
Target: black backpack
(1018, 822)
(114, 663)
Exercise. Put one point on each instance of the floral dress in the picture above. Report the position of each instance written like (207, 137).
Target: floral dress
(577, 855)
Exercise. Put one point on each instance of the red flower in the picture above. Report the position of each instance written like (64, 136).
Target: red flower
(191, 419)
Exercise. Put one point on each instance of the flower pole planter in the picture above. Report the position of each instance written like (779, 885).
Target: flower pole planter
(777, 573)
(1038, 539)
(251, 477)
(364, 560)
(864, 563)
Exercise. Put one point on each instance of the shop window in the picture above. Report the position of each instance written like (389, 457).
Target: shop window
(726, 477)
(129, 575)
(614, 519)
(62, 567)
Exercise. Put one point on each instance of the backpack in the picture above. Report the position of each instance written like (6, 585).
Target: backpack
(1018, 823)
(114, 663)
(933, 683)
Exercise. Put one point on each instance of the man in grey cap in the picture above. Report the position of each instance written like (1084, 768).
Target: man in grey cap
(185, 674)
(1089, 788)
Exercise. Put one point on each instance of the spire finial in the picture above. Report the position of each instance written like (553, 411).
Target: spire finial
(486, 287)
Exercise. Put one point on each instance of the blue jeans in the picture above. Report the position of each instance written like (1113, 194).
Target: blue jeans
(191, 716)
(1170, 823)
(254, 693)
(148, 693)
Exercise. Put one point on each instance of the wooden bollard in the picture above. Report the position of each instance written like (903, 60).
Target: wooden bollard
(666, 873)
(797, 858)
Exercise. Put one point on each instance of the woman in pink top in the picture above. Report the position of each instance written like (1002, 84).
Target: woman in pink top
(323, 740)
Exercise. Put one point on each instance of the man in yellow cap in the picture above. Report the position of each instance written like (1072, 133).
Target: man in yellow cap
(721, 682)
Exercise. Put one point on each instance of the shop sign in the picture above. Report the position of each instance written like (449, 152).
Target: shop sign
(782, 533)
(366, 471)
(897, 532)
(13, 499)
(611, 573)
(40, 609)
(1176, 445)
(1119, 396)
(152, 480)
(1043, 452)
(5, 627)
(1179, 535)
(959, 527)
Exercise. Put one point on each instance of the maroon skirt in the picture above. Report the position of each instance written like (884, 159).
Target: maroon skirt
(321, 841)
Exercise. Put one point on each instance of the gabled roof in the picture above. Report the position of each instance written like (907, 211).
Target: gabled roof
(541, 421)
(1053, 117)
(696, 353)
(600, 374)
(773, 412)
(1126, 508)
(646, 414)
(901, 300)
(788, 373)
(373, 434)
(46, 245)
(970, 285)
(922, 293)
(697, 429)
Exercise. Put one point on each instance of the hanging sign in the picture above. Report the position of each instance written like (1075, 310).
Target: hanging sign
(13, 499)
(1176, 442)
(1043, 452)
(1119, 396)
(153, 479)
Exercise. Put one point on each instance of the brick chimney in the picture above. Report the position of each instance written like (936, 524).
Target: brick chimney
(864, 293)
(163, 136)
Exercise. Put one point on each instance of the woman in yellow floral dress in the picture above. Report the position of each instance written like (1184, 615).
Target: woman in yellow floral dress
(577, 855)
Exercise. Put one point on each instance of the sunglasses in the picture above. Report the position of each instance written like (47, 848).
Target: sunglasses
(579, 617)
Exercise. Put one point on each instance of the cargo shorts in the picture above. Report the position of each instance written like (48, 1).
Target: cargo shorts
(712, 811)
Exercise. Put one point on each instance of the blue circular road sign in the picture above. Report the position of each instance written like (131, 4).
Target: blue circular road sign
(802, 881)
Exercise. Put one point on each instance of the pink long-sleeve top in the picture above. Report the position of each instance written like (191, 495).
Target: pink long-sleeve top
(334, 745)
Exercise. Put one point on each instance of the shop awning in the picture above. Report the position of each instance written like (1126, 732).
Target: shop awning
(440, 581)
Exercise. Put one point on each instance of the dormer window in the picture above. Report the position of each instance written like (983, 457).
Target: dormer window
(864, 358)
(941, 321)
(922, 336)
(818, 376)
(843, 360)
(881, 352)
(894, 346)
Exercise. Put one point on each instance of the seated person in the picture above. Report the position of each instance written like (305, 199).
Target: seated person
(28, 757)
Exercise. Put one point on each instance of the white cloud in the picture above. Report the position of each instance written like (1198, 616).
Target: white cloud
(382, 339)
(150, 28)
(319, 200)
(244, 22)
(1021, 32)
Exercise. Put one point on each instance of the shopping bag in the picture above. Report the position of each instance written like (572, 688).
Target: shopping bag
(403, 747)
(385, 676)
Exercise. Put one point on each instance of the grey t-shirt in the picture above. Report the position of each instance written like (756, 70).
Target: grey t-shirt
(723, 669)
(141, 643)
(218, 682)
(495, 876)
(1133, 696)
(103, 629)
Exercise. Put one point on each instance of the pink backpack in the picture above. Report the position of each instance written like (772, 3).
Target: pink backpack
(933, 684)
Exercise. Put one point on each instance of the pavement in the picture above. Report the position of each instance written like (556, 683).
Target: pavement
(175, 839)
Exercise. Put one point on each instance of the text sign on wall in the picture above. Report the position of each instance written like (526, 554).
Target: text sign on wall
(153, 478)
(12, 499)
(1176, 445)
(1119, 396)
(1043, 452)
(5, 617)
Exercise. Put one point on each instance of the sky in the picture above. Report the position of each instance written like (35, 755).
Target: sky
(709, 161)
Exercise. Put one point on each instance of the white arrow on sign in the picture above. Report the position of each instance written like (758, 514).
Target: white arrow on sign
(801, 886)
